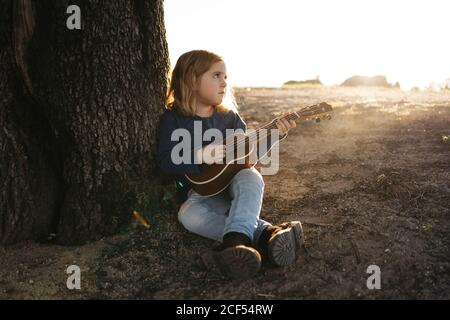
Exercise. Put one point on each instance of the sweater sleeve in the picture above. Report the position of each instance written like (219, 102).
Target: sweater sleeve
(167, 125)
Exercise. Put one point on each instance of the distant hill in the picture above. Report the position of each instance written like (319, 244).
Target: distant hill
(303, 82)
(376, 81)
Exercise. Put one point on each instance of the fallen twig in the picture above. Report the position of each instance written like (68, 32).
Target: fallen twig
(371, 230)
(317, 224)
(355, 250)
(265, 295)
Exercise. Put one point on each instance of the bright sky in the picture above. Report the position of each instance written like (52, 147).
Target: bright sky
(268, 42)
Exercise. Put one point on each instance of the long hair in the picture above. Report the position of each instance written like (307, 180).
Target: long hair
(185, 76)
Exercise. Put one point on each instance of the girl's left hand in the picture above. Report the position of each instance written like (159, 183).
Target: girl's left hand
(284, 125)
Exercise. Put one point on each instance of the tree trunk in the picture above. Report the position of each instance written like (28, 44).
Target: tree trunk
(79, 114)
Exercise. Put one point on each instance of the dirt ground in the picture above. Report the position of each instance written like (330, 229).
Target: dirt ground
(371, 187)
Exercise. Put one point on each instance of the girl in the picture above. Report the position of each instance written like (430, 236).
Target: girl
(195, 95)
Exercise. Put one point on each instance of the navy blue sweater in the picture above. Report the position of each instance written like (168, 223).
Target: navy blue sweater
(172, 120)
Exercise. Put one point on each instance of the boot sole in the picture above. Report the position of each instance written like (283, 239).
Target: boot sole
(239, 262)
(286, 246)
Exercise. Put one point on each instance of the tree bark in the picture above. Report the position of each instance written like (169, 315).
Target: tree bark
(79, 112)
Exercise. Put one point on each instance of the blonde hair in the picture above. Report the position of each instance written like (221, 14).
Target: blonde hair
(185, 76)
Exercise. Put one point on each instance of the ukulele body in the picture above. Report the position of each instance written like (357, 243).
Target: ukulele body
(216, 177)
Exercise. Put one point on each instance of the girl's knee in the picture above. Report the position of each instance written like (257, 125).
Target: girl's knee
(250, 174)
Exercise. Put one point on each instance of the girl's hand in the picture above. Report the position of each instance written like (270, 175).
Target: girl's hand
(212, 153)
(284, 125)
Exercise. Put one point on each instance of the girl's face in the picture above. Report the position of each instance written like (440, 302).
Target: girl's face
(212, 85)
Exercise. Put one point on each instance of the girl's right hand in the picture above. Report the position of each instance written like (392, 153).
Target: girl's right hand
(212, 153)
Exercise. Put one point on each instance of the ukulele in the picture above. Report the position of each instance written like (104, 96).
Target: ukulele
(241, 151)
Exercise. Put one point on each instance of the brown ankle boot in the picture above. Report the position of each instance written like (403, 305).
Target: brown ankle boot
(281, 244)
(235, 258)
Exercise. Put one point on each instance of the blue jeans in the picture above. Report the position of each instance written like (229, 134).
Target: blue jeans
(235, 209)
